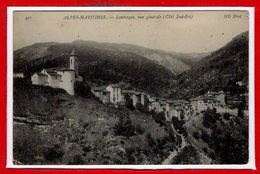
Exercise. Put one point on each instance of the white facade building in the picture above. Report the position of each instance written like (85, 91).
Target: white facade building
(115, 93)
(63, 78)
(18, 75)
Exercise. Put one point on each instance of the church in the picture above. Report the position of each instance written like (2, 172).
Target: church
(61, 77)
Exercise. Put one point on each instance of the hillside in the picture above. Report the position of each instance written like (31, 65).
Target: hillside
(221, 136)
(189, 58)
(52, 127)
(160, 57)
(218, 71)
(98, 64)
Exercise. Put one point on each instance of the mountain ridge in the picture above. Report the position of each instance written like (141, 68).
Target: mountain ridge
(97, 65)
(218, 71)
(164, 58)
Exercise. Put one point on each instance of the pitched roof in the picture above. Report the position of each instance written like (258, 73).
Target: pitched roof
(41, 74)
(126, 91)
(53, 74)
(64, 69)
(212, 93)
(114, 85)
(131, 92)
(99, 88)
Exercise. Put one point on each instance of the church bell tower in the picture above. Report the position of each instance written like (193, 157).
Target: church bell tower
(74, 62)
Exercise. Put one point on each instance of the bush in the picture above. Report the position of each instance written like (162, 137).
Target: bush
(86, 148)
(240, 112)
(205, 149)
(77, 160)
(226, 116)
(178, 125)
(26, 144)
(212, 155)
(150, 140)
(159, 117)
(124, 127)
(129, 102)
(182, 115)
(210, 117)
(53, 153)
(205, 137)
(82, 89)
(139, 106)
(196, 135)
(142, 108)
(139, 129)
(105, 133)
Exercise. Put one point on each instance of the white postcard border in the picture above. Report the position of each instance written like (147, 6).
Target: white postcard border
(251, 162)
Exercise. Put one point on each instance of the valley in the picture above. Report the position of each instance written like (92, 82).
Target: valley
(191, 99)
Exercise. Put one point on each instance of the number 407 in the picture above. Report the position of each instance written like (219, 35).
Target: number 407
(28, 18)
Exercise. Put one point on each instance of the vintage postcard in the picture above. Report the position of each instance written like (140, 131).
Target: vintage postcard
(138, 88)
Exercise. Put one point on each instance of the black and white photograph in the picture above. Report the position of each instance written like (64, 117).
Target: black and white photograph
(122, 87)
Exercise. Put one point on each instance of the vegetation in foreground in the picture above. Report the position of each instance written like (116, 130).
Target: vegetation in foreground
(52, 127)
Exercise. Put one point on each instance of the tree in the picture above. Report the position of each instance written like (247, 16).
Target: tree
(82, 89)
(150, 140)
(205, 137)
(159, 117)
(53, 153)
(124, 127)
(77, 160)
(210, 117)
(182, 115)
(196, 135)
(178, 125)
(240, 112)
(226, 116)
(129, 102)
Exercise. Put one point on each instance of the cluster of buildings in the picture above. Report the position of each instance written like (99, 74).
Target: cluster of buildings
(180, 109)
(208, 100)
(60, 77)
(117, 96)
(65, 78)
(114, 94)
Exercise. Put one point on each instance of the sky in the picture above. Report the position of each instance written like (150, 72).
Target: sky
(200, 31)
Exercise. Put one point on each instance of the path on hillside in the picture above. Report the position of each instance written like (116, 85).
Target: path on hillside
(172, 155)
(184, 142)
(169, 159)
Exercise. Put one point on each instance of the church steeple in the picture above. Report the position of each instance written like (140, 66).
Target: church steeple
(74, 62)
(73, 53)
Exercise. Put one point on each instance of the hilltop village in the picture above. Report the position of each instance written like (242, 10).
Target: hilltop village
(181, 109)
(65, 78)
